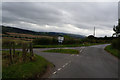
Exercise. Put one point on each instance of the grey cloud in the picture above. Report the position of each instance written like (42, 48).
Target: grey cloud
(30, 13)
(80, 15)
(119, 9)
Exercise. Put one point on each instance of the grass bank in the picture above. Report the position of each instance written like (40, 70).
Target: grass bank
(19, 69)
(66, 51)
(113, 51)
(56, 46)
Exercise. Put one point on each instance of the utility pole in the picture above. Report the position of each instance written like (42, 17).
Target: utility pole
(94, 32)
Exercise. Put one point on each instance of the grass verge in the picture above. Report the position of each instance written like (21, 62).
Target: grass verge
(113, 51)
(56, 46)
(29, 69)
(67, 51)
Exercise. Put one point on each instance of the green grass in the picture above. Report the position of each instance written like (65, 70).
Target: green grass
(73, 45)
(113, 51)
(67, 51)
(17, 46)
(29, 69)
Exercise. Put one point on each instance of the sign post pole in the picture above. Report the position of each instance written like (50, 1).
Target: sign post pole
(60, 40)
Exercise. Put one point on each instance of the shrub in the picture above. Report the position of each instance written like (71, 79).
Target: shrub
(42, 41)
(54, 41)
(6, 43)
(116, 43)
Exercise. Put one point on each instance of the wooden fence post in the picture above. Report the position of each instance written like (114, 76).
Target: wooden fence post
(31, 51)
(24, 51)
(13, 49)
(11, 57)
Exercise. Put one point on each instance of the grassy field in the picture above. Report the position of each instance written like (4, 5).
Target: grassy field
(18, 43)
(113, 51)
(49, 46)
(23, 36)
(19, 69)
(73, 45)
(66, 51)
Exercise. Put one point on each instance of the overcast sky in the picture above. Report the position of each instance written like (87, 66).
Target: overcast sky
(68, 17)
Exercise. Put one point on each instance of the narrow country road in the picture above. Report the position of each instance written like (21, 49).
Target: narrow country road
(91, 62)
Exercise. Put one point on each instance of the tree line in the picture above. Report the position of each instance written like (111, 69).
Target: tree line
(116, 42)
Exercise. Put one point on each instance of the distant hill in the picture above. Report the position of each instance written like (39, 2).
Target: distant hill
(10, 29)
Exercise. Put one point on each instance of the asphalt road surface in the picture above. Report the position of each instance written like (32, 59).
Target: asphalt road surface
(91, 62)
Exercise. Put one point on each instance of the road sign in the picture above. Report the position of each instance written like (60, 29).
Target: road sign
(60, 39)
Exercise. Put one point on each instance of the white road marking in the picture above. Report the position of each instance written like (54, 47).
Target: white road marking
(55, 72)
(81, 50)
(63, 66)
(77, 55)
(66, 64)
(59, 69)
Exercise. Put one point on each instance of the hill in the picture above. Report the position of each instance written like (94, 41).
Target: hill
(6, 29)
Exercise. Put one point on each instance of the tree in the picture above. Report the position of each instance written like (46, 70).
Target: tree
(117, 29)
(91, 37)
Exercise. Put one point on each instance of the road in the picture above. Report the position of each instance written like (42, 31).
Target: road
(91, 62)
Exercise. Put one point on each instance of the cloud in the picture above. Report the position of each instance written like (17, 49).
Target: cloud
(119, 9)
(68, 17)
(60, 1)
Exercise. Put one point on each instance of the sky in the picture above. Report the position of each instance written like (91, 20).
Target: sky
(67, 17)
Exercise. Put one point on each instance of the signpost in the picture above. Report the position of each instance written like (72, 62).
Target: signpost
(60, 39)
